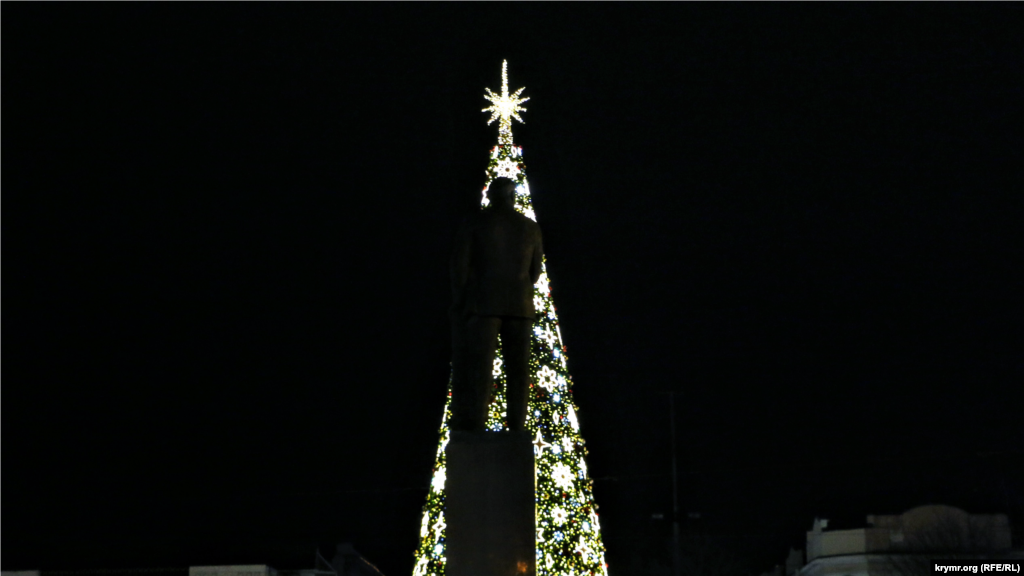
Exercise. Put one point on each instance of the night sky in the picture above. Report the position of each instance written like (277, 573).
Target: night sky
(225, 246)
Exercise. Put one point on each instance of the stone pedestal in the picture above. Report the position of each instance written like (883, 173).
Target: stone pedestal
(490, 510)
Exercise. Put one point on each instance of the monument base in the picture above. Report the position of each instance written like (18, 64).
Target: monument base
(490, 508)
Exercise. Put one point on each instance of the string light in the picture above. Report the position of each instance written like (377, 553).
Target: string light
(568, 532)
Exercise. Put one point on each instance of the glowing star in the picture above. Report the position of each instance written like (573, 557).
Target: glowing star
(497, 367)
(562, 476)
(567, 443)
(439, 479)
(558, 515)
(439, 527)
(504, 107)
(547, 378)
(506, 169)
(583, 549)
(539, 444)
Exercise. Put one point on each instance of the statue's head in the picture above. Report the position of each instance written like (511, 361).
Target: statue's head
(502, 192)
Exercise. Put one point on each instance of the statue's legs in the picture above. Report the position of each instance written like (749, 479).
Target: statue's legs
(515, 348)
(473, 377)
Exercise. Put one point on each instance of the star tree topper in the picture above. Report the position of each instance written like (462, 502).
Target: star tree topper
(504, 107)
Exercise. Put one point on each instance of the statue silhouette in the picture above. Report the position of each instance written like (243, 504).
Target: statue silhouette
(496, 262)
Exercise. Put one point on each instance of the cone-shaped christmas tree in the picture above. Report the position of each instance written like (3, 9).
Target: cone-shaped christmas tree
(568, 532)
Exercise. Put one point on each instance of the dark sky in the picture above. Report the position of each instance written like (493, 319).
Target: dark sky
(225, 241)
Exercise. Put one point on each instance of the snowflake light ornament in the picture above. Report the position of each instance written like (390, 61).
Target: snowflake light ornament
(538, 303)
(562, 476)
(507, 169)
(559, 515)
(546, 376)
(548, 336)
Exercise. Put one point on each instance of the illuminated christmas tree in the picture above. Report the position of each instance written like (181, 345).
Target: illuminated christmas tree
(568, 531)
